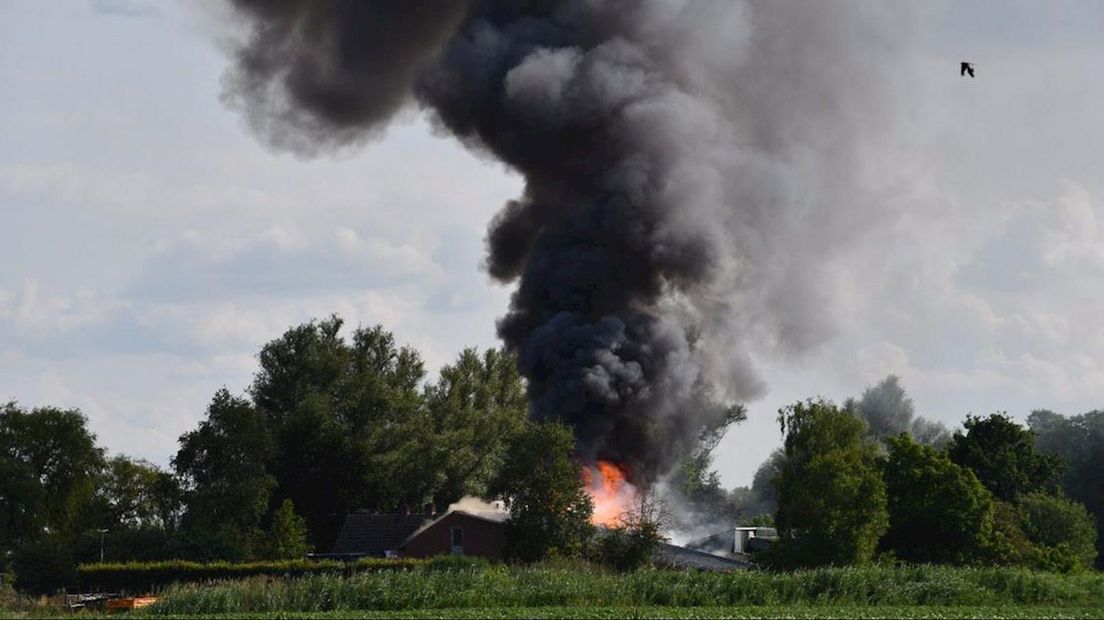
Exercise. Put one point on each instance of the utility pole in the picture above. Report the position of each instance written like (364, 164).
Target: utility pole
(102, 532)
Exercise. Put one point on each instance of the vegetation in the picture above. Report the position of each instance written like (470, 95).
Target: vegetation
(286, 538)
(1063, 530)
(328, 426)
(540, 483)
(831, 497)
(140, 577)
(631, 545)
(789, 612)
(1003, 456)
(696, 486)
(333, 424)
(1079, 442)
(888, 412)
(501, 586)
(938, 512)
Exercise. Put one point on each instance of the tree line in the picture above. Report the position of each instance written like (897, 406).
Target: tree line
(331, 425)
(327, 427)
(871, 481)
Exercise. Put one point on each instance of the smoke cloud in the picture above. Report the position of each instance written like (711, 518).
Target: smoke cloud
(692, 168)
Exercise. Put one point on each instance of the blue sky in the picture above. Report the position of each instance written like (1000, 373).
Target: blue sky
(150, 245)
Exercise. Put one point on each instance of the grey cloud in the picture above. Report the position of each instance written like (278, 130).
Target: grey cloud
(195, 268)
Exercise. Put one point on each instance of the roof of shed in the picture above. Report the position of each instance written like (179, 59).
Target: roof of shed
(375, 534)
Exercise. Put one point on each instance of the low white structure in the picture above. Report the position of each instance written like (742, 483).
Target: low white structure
(744, 535)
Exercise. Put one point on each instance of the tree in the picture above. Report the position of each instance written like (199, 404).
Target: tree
(632, 544)
(1079, 442)
(888, 411)
(477, 404)
(138, 495)
(831, 498)
(758, 503)
(286, 538)
(49, 464)
(938, 512)
(223, 466)
(543, 488)
(341, 424)
(1002, 455)
(1063, 529)
(349, 424)
(696, 486)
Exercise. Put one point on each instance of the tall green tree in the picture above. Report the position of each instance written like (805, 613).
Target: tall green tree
(831, 498)
(1002, 455)
(938, 512)
(223, 465)
(476, 406)
(349, 423)
(137, 494)
(1079, 442)
(49, 467)
(543, 488)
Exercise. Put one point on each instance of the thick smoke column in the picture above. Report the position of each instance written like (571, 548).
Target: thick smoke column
(689, 166)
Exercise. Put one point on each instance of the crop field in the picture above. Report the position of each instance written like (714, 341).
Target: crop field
(772, 612)
(914, 592)
(571, 591)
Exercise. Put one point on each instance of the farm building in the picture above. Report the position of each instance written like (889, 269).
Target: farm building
(457, 532)
(376, 535)
(483, 533)
(737, 543)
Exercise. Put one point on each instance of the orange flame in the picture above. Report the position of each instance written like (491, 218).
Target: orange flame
(611, 493)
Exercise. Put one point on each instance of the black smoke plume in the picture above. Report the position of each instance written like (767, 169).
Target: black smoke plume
(681, 160)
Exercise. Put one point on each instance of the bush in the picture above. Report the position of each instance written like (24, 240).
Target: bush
(44, 566)
(1063, 529)
(453, 563)
(624, 550)
(144, 577)
(287, 537)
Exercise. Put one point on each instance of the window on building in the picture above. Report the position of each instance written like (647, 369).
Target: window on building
(457, 537)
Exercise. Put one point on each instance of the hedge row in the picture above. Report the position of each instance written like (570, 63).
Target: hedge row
(142, 577)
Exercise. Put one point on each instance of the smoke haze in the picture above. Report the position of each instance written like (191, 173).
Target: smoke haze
(692, 169)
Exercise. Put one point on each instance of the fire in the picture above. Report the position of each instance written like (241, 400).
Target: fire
(611, 493)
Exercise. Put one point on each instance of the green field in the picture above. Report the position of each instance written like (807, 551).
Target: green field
(796, 612)
(585, 592)
(923, 590)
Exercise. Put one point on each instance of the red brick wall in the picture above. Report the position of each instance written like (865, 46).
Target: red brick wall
(481, 537)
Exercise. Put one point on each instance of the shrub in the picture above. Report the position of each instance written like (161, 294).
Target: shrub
(44, 566)
(1063, 529)
(452, 563)
(143, 577)
(287, 536)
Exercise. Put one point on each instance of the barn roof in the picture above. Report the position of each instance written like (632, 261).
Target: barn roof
(680, 557)
(376, 534)
(492, 517)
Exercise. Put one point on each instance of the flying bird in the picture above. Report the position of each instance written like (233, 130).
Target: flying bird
(966, 67)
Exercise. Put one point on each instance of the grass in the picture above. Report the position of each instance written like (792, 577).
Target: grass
(925, 612)
(507, 591)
